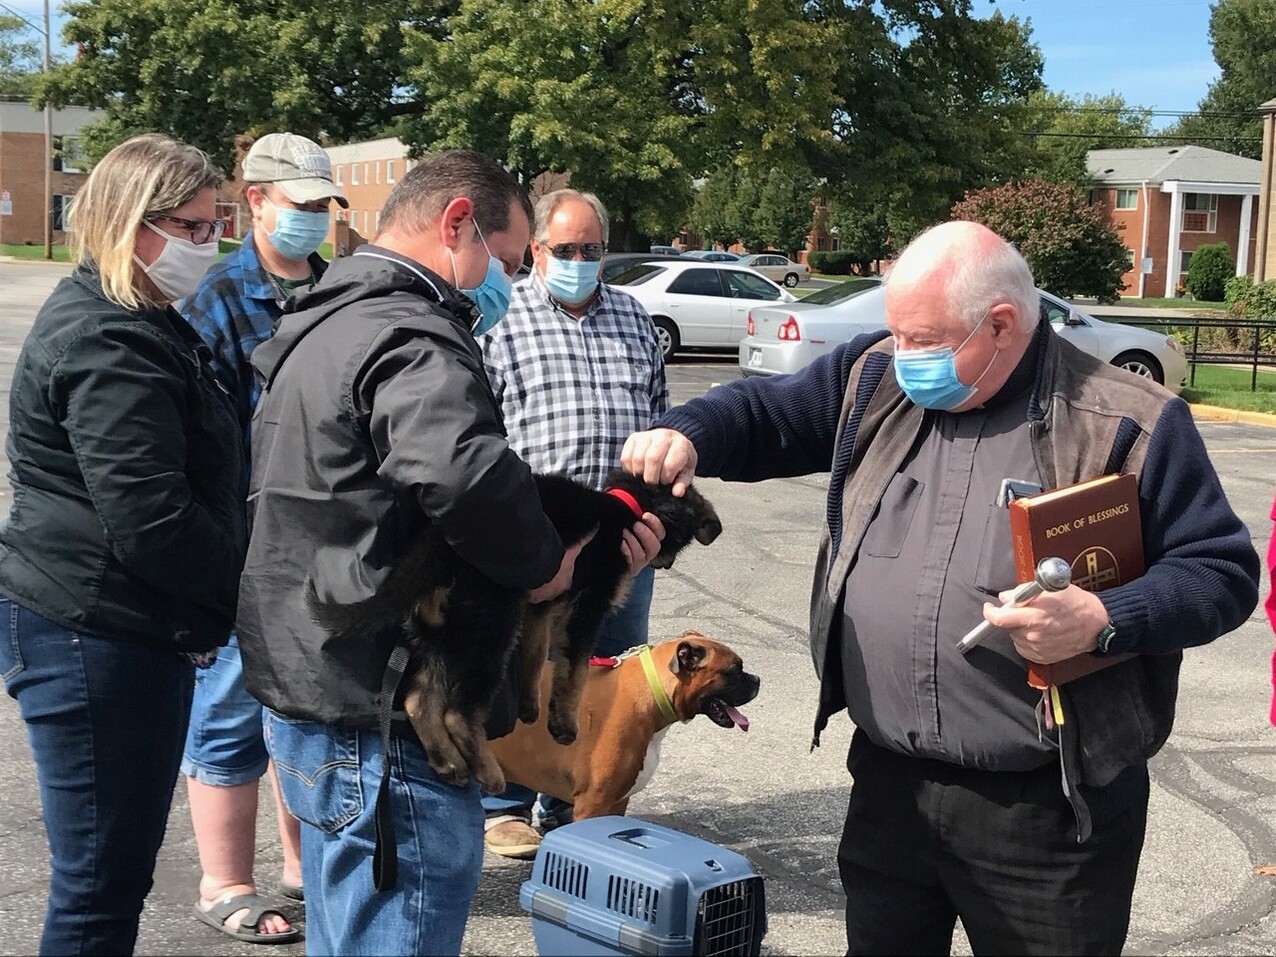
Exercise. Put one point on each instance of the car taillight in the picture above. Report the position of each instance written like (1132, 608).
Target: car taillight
(789, 332)
(750, 328)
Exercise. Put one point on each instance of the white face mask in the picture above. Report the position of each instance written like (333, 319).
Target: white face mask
(180, 265)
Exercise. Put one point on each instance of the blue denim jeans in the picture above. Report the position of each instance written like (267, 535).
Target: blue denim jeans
(329, 778)
(626, 627)
(224, 745)
(106, 720)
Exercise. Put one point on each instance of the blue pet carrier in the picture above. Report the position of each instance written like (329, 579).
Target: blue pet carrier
(615, 885)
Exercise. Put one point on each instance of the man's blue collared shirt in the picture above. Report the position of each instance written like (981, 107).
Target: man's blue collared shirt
(234, 310)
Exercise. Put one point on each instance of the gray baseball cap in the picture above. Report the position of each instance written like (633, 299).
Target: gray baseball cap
(299, 166)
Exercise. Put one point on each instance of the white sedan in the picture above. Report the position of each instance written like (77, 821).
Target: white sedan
(783, 340)
(699, 305)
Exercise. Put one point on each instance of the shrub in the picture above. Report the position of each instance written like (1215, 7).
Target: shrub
(1260, 303)
(1235, 290)
(1209, 270)
(838, 263)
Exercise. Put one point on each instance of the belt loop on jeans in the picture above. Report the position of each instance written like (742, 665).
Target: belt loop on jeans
(385, 857)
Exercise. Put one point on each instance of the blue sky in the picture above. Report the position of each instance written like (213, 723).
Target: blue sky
(1155, 53)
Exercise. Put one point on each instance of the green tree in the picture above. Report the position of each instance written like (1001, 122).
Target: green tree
(1062, 129)
(635, 99)
(932, 98)
(861, 228)
(784, 211)
(1243, 34)
(715, 214)
(205, 72)
(1072, 249)
(21, 57)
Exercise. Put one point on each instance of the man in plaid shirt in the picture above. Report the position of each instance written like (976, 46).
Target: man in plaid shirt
(576, 368)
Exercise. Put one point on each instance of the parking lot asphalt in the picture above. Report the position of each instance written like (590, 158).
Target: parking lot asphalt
(1213, 814)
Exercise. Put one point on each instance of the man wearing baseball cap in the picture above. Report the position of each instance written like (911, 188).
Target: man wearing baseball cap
(289, 189)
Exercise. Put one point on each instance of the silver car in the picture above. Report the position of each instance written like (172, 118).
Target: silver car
(783, 339)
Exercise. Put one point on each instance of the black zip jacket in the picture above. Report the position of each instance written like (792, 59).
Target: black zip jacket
(375, 418)
(125, 461)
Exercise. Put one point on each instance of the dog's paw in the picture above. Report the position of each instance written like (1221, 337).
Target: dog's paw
(561, 729)
(451, 774)
(529, 712)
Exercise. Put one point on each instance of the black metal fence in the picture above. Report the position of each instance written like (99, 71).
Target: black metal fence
(1259, 352)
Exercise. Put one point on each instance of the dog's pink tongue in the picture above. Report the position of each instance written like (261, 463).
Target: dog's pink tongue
(737, 716)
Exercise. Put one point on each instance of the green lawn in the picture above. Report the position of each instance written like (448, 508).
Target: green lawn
(1228, 386)
(32, 252)
(1155, 303)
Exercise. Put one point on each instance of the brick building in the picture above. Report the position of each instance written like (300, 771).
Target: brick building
(1172, 199)
(22, 164)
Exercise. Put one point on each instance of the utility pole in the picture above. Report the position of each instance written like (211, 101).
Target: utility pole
(48, 147)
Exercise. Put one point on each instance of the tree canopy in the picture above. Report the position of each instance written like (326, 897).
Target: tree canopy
(1071, 247)
(206, 71)
(21, 57)
(1243, 34)
(1062, 129)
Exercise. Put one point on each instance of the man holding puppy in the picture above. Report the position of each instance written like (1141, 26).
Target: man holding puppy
(375, 419)
(961, 805)
(576, 368)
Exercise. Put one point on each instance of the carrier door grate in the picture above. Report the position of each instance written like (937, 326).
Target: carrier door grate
(727, 918)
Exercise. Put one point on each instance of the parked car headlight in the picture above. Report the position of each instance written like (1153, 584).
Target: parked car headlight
(1174, 344)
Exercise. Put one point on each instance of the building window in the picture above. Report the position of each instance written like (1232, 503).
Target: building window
(1200, 212)
(378, 220)
(61, 204)
(366, 178)
(336, 172)
(67, 157)
(376, 171)
(354, 174)
(1185, 259)
(1129, 259)
(354, 220)
(389, 171)
(1127, 199)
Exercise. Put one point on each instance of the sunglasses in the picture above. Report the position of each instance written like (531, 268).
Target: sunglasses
(201, 230)
(590, 252)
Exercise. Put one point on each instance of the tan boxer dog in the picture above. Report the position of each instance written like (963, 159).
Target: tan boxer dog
(623, 716)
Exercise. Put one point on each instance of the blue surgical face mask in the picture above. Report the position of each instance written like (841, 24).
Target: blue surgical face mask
(571, 280)
(297, 232)
(929, 376)
(492, 295)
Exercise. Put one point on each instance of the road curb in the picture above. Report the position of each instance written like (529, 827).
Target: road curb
(1216, 413)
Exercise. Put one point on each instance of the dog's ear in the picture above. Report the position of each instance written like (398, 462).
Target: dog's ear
(689, 657)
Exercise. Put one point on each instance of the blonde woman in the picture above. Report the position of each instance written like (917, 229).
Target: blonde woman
(119, 564)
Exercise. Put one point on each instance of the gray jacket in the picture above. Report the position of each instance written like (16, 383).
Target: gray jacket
(375, 418)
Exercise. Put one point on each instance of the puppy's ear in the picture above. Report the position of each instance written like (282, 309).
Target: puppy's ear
(689, 657)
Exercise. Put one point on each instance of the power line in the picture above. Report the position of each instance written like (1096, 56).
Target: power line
(1145, 111)
(1149, 136)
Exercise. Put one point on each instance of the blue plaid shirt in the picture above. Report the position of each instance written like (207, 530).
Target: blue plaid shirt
(234, 310)
(572, 390)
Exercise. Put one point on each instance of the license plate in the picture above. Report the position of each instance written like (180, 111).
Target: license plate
(755, 358)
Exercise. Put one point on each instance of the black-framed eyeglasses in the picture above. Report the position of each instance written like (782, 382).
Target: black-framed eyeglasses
(201, 230)
(590, 252)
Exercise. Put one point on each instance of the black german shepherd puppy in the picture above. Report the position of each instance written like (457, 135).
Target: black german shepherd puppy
(461, 627)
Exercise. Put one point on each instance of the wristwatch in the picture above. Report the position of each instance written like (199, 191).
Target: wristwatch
(1104, 639)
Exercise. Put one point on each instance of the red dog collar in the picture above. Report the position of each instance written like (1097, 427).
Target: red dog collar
(628, 499)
